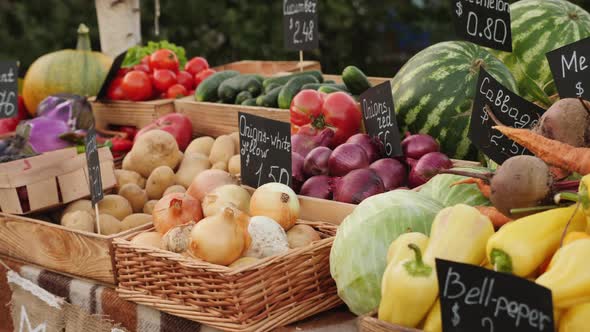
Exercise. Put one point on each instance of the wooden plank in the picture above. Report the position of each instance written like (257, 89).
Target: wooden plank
(129, 113)
(213, 119)
(268, 68)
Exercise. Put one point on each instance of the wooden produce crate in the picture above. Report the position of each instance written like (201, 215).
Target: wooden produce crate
(58, 248)
(269, 68)
(272, 292)
(215, 119)
(49, 180)
(370, 323)
(129, 113)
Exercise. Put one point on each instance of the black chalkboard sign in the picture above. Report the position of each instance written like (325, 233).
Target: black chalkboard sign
(570, 68)
(8, 89)
(379, 117)
(300, 25)
(102, 93)
(94, 179)
(473, 298)
(486, 23)
(509, 108)
(265, 150)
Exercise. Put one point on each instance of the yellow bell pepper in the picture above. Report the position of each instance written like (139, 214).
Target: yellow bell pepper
(584, 198)
(433, 322)
(399, 250)
(568, 276)
(575, 236)
(576, 319)
(521, 246)
(408, 290)
(459, 234)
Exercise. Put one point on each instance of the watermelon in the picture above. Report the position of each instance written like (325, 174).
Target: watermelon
(433, 93)
(540, 26)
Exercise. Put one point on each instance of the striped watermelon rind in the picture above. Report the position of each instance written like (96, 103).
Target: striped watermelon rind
(540, 26)
(433, 93)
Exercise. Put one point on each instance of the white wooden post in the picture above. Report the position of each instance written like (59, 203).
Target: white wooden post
(119, 25)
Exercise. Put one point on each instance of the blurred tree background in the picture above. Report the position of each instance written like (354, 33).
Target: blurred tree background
(378, 36)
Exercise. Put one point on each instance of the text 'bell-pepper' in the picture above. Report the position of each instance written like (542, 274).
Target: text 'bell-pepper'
(337, 111)
(521, 246)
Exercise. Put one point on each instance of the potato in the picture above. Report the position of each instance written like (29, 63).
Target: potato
(175, 189)
(79, 205)
(222, 150)
(160, 179)
(108, 224)
(136, 196)
(233, 166)
(235, 136)
(124, 177)
(149, 206)
(200, 145)
(301, 235)
(220, 165)
(148, 239)
(151, 150)
(116, 206)
(191, 166)
(134, 220)
(80, 220)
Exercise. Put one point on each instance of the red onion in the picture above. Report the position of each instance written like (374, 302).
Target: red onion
(297, 171)
(427, 167)
(391, 171)
(357, 185)
(308, 140)
(316, 162)
(319, 186)
(416, 146)
(347, 157)
(372, 146)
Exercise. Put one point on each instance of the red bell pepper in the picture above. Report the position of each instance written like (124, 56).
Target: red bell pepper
(337, 111)
(9, 125)
(121, 144)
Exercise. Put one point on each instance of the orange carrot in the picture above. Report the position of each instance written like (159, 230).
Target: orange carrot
(558, 173)
(483, 187)
(496, 217)
(552, 152)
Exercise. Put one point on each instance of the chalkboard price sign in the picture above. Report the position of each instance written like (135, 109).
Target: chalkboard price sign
(473, 298)
(509, 108)
(486, 23)
(570, 68)
(8, 89)
(265, 150)
(111, 75)
(300, 25)
(379, 117)
(94, 179)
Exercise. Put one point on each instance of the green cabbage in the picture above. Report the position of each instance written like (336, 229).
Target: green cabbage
(439, 188)
(358, 256)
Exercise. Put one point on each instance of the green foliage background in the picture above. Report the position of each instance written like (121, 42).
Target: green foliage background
(376, 35)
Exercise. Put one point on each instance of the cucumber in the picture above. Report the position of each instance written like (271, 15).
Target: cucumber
(355, 80)
(229, 89)
(242, 96)
(269, 99)
(293, 86)
(249, 102)
(330, 89)
(315, 86)
(330, 82)
(271, 86)
(207, 90)
(284, 79)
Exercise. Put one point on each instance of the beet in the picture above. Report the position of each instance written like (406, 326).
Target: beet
(567, 121)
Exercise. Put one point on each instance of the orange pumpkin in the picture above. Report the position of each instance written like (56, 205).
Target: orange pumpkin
(80, 71)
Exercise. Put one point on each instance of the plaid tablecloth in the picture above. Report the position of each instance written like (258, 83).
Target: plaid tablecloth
(102, 303)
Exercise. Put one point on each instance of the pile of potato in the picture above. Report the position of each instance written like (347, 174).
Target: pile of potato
(154, 168)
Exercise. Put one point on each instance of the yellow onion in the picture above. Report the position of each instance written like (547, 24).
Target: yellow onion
(229, 194)
(207, 181)
(276, 201)
(176, 209)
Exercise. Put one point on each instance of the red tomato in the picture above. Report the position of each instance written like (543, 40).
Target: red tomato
(145, 60)
(200, 77)
(305, 107)
(163, 79)
(137, 85)
(143, 68)
(164, 59)
(342, 113)
(115, 91)
(186, 79)
(176, 91)
(122, 71)
(196, 65)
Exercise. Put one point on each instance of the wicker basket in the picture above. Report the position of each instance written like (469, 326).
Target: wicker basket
(370, 323)
(273, 292)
